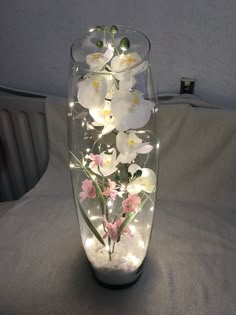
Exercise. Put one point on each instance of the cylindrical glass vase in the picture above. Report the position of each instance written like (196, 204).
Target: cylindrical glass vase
(114, 148)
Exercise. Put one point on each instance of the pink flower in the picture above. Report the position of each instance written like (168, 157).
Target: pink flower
(131, 203)
(111, 229)
(126, 229)
(111, 190)
(96, 160)
(89, 191)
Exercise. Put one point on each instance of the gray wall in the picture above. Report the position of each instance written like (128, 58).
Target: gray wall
(189, 38)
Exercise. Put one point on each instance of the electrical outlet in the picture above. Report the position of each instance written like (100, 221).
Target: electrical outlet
(187, 86)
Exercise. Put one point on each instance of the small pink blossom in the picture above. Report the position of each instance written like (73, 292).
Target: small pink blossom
(111, 190)
(131, 203)
(89, 191)
(111, 229)
(126, 229)
(96, 160)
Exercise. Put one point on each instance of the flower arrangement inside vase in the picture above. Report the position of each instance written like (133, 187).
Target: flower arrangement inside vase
(113, 149)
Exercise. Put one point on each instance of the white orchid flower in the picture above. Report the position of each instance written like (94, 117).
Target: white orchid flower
(127, 83)
(130, 109)
(125, 67)
(97, 61)
(108, 166)
(92, 91)
(146, 182)
(130, 145)
(103, 117)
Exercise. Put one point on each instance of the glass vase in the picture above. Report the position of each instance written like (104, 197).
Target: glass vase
(113, 148)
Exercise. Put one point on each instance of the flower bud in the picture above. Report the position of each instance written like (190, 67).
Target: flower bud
(99, 43)
(138, 173)
(113, 29)
(124, 43)
(99, 28)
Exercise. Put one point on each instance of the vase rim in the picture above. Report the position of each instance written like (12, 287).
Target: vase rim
(143, 59)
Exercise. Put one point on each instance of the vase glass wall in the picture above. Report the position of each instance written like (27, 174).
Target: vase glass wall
(114, 149)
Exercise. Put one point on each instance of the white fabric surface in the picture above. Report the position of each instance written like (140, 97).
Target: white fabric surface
(191, 262)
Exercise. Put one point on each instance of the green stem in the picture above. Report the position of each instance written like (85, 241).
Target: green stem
(114, 44)
(113, 247)
(109, 244)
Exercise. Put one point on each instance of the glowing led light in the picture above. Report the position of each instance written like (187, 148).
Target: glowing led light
(89, 242)
(141, 244)
(110, 150)
(148, 226)
(72, 165)
(82, 124)
(91, 30)
(107, 248)
(132, 228)
(100, 136)
(72, 104)
(90, 127)
(89, 212)
(69, 114)
(94, 217)
(135, 220)
(110, 211)
(100, 227)
(158, 145)
(133, 259)
(151, 209)
(88, 150)
(122, 188)
(141, 131)
(109, 203)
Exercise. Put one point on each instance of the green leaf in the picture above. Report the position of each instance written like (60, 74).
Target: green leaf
(127, 220)
(131, 216)
(99, 193)
(98, 189)
(89, 223)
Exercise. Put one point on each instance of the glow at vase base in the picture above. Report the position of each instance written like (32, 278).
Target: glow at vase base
(125, 265)
(117, 279)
